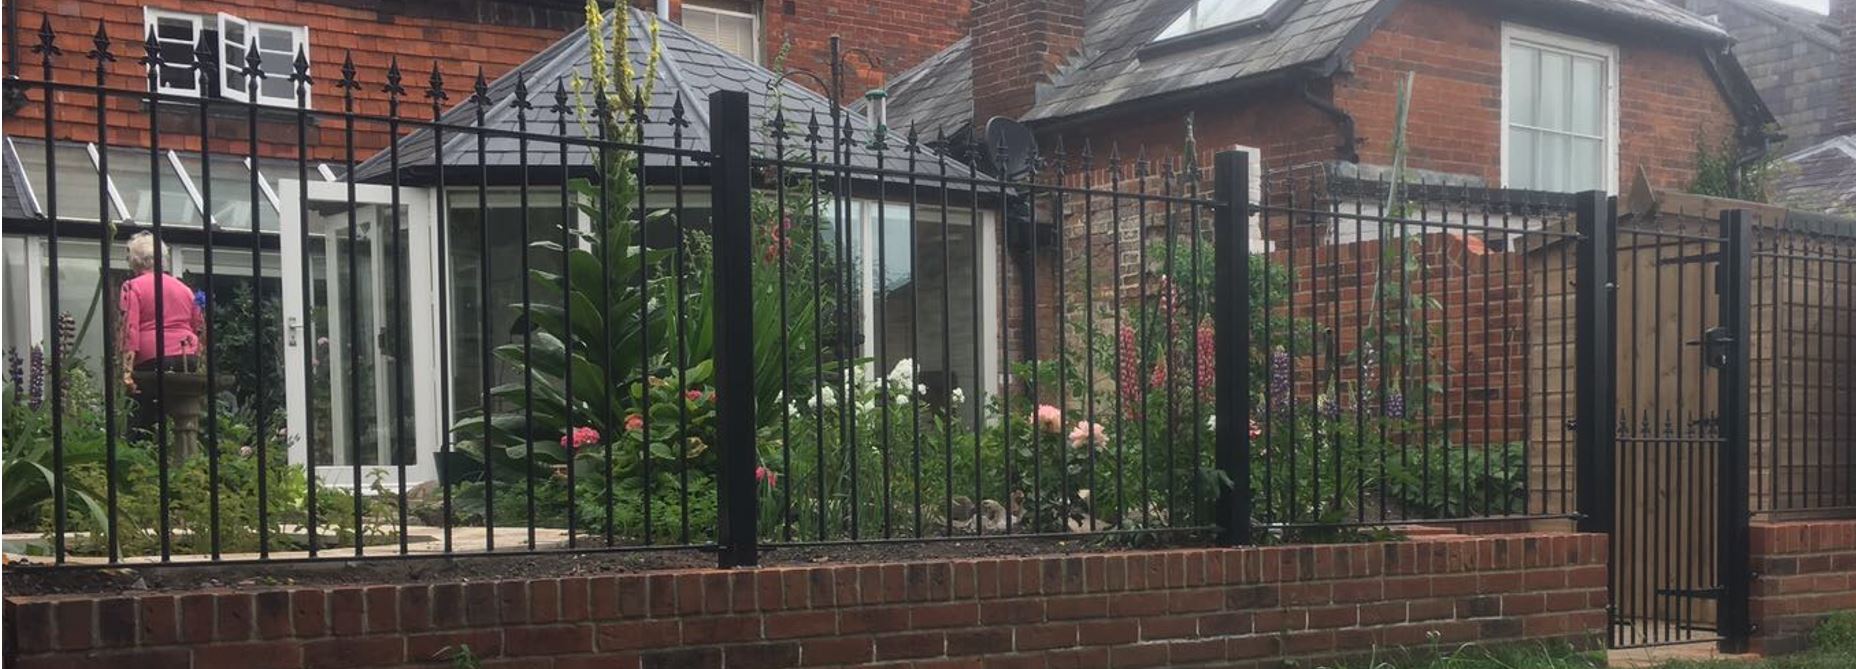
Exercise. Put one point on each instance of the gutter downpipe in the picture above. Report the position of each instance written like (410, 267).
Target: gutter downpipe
(1349, 147)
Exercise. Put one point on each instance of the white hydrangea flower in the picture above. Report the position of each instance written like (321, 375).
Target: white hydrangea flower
(903, 374)
(958, 397)
(1211, 422)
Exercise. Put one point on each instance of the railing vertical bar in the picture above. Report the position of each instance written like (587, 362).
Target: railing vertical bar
(254, 76)
(401, 300)
(569, 242)
(1093, 429)
(480, 102)
(1122, 363)
(680, 272)
(878, 286)
(312, 512)
(352, 356)
(209, 226)
(638, 119)
(520, 103)
(102, 56)
(436, 95)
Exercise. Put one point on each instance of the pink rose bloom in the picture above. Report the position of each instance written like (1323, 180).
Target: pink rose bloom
(1087, 434)
(692, 395)
(634, 423)
(581, 436)
(1048, 419)
(1255, 429)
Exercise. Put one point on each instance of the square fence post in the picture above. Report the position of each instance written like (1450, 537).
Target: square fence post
(1231, 322)
(736, 497)
(1736, 570)
(1595, 421)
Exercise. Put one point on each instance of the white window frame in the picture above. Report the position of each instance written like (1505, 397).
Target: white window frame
(753, 25)
(299, 36)
(232, 66)
(1552, 41)
(865, 218)
(150, 16)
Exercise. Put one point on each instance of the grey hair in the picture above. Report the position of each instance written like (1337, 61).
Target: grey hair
(142, 253)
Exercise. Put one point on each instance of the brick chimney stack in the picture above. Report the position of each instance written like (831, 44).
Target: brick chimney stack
(1017, 45)
(1843, 14)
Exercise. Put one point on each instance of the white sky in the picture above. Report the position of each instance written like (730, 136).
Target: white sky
(1822, 6)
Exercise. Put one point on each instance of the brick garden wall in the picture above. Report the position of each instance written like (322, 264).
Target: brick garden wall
(1807, 570)
(1242, 607)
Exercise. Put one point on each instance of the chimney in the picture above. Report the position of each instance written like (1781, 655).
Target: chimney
(1843, 14)
(1017, 45)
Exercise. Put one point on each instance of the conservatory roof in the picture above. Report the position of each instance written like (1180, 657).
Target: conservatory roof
(128, 188)
(688, 71)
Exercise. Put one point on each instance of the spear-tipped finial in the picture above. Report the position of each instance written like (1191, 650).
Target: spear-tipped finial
(560, 97)
(521, 100)
(299, 69)
(396, 79)
(151, 53)
(48, 40)
(100, 46)
(480, 89)
(254, 64)
(435, 86)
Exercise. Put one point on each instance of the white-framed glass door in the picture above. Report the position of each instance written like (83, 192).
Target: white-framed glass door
(357, 279)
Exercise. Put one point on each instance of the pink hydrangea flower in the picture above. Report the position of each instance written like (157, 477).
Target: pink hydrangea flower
(581, 436)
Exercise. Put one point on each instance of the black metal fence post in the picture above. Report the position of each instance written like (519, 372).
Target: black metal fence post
(736, 532)
(1231, 321)
(1596, 349)
(1736, 272)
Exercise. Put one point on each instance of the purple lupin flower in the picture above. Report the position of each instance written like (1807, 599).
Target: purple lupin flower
(16, 374)
(1279, 378)
(1395, 404)
(199, 299)
(35, 393)
(67, 334)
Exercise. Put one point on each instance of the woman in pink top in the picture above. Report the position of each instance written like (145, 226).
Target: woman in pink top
(160, 325)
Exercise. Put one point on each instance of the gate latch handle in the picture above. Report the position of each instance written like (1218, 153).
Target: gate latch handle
(1717, 345)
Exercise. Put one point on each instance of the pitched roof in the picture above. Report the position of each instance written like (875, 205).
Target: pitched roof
(689, 70)
(1110, 66)
(1821, 178)
(938, 91)
(1790, 55)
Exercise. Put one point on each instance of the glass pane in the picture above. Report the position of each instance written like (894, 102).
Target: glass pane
(173, 28)
(471, 302)
(352, 326)
(1523, 84)
(1522, 155)
(77, 197)
(276, 40)
(1586, 164)
(230, 199)
(1553, 80)
(1552, 168)
(277, 86)
(928, 307)
(129, 170)
(1588, 95)
(17, 328)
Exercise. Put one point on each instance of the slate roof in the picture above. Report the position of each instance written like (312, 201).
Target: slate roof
(19, 203)
(689, 70)
(1790, 54)
(1110, 68)
(1821, 178)
(938, 91)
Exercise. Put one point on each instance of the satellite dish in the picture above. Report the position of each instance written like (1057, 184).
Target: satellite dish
(1017, 143)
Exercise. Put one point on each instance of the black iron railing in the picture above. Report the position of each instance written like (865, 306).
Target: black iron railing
(572, 315)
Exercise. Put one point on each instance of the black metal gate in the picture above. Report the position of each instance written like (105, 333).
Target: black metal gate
(1667, 303)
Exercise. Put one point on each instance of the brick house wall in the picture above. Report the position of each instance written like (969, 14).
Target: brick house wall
(1305, 605)
(459, 38)
(1667, 103)
(899, 33)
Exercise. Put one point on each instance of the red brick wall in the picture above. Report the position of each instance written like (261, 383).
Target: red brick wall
(459, 37)
(1667, 101)
(1198, 607)
(1807, 570)
(1273, 120)
(899, 33)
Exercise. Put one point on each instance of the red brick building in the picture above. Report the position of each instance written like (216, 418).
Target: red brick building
(1316, 81)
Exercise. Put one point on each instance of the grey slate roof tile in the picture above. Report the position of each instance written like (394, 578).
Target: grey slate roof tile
(688, 72)
(1109, 67)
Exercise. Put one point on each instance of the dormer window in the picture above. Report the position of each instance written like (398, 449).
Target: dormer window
(1225, 18)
